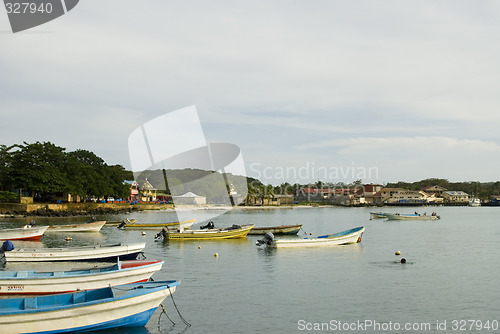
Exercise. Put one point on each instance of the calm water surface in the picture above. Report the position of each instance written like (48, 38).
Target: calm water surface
(452, 272)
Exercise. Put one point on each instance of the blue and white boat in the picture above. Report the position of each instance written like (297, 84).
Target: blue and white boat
(130, 305)
(411, 216)
(89, 253)
(50, 282)
(351, 236)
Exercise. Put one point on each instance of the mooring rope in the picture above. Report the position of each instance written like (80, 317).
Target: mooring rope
(178, 312)
(164, 311)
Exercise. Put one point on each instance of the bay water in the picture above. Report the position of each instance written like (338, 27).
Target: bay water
(448, 284)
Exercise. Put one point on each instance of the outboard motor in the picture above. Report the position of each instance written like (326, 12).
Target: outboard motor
(122, 224)
(209, 225)
(7, 246)
(267, 239)
(162, 233)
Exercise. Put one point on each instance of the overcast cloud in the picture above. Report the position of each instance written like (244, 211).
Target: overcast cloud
(407, 87)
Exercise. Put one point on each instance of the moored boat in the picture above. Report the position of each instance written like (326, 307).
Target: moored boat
(276, 230)
(234, 231)
(89, 253)
(126, 220)
(186, 224)
(84, 227)
(23, 233)
(50, 282)
(130, 305)
(411, 216)
(377, 215)
(350, 236)
(475, 202)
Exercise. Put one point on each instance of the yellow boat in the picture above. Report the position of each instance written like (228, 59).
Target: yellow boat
(116, 223)
(234, 231)
(186, 224)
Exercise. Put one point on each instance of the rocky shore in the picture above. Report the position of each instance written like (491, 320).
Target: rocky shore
(74, 209)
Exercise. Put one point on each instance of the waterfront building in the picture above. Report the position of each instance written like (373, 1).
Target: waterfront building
(456, 197)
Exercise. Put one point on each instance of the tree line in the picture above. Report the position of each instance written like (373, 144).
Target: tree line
(483, 190)
(43, 169)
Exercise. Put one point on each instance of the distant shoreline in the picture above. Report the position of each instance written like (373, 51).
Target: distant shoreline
(14, 210)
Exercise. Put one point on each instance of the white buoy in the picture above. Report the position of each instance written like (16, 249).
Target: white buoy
(143, 233)
(68, 238)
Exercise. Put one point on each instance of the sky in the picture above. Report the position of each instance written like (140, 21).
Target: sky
(381, 91)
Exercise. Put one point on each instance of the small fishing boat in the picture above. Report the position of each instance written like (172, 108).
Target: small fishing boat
(377, 215)
(411, 216)
(276, 230)
(474, 201)
(186, 224)
(234, 231)
(341, 238)
(126, 220)
(89, 253)
(49, 282)
(84, 227)
(130, 305)
(27, 232)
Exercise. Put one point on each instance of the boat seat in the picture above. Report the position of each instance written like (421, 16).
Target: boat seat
(22, 274)
(79, 297)
(58, 273)
(30, 303)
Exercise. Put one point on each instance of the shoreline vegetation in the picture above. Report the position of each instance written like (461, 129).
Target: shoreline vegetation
(42, 179)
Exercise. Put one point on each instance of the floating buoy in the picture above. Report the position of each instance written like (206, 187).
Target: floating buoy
(310, 233)
(143, 233)
(68, 238)
(397, 253)
(199, 247)
(216, 254)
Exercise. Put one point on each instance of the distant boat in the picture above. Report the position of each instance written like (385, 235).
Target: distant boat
(276, 230)
(234, 231)
(475, 202)
(23, 233)
(90, 253)
(377, 215)
(83, 227)
(49, 282)
(411, 216)
(186, 224)
(341, 238)
(130, 305)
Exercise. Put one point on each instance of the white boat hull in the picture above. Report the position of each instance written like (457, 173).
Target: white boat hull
(74, 254)
(86, 227)
(319, 242)
(391, 216)
(30, 233)
(59, 284)
(77, 319)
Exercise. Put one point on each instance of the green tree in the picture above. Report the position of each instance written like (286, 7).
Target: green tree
(39, 168)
